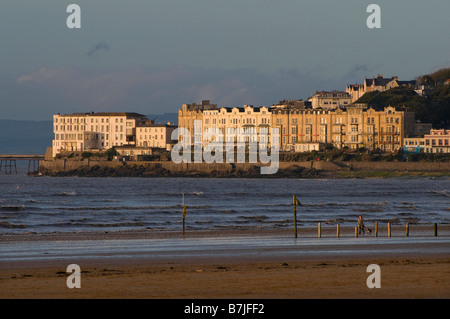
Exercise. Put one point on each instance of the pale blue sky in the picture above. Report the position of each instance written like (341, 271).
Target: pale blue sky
(152, 56)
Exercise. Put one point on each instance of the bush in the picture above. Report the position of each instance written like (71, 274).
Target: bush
(110, 153)
(85, 155)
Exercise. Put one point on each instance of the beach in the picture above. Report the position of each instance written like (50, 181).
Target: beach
(236, 265)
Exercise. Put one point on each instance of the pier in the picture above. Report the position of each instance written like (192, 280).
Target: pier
(8, 162)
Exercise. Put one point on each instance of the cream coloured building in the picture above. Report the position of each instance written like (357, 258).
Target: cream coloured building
(304, 128)
(155, 136)
(330, 99)
(353, 127)
(247, 121)
(437, 141)
(94, 131)
(189, 113)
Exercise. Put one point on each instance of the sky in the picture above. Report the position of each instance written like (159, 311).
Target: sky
(151, 57)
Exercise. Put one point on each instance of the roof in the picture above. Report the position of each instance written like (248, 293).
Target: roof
(333, 94)
(127, 114)
(156, 125)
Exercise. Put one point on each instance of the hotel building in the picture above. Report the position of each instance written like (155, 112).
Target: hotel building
(155, 136)
(94, 131)
(438, 141)
(330, 99)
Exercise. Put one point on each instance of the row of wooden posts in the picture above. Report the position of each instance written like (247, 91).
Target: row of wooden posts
(375, 231)
(297, 202)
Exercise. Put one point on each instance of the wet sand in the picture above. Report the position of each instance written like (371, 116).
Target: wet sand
(420, 273)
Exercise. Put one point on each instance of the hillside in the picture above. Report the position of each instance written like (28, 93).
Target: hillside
(434, 108)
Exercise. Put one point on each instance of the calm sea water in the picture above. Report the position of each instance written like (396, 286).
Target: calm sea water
(70, 204)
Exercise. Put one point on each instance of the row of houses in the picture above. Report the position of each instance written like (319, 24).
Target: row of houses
(304, 128)
(437, 142)
(382, 84)
(301, 128)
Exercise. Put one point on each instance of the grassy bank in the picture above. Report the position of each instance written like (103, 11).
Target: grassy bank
(385, 174)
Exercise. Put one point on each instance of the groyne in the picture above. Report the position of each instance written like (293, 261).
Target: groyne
(95, 168)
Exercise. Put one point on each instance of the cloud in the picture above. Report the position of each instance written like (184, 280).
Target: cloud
(96, 49)
(156, 90)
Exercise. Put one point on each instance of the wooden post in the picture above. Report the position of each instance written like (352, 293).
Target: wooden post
(295, 215)
(356, 231)
(184, 213)
(337, 230)
(389, 229)
(319, 231)
(435, 230)
(407, 229)
(376, 229)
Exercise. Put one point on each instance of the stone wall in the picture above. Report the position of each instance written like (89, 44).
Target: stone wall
(66, 165)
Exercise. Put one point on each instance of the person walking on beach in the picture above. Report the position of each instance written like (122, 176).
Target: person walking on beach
(361, 227)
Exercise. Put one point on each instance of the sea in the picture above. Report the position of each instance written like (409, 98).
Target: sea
(40, 204)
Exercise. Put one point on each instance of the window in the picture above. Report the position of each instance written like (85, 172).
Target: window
(308, 130)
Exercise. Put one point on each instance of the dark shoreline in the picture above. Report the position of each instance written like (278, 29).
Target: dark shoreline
(311, 169)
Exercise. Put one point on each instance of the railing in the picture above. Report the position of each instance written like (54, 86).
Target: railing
(8, 162)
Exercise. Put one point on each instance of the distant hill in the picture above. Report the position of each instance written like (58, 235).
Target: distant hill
(164, 118)
(25, 137)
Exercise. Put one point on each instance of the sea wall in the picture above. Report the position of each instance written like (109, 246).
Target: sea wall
(400, 166)
(70, 167)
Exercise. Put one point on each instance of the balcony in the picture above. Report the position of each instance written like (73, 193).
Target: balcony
(389, 133)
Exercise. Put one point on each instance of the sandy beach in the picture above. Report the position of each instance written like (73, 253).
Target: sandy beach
(410, 267)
